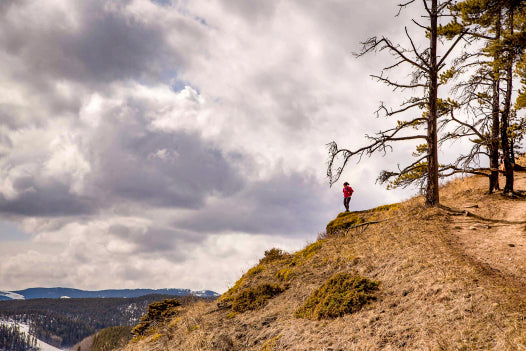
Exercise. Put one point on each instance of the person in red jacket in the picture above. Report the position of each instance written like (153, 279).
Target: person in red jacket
(347, 193)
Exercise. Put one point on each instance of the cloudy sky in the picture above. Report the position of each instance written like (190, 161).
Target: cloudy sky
(168, 144)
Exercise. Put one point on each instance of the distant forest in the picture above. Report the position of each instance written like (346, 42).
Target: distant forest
(65, 322)
(12, 339)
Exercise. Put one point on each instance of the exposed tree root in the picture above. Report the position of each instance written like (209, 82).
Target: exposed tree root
(471, 214)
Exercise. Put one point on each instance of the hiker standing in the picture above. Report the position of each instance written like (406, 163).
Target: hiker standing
(347, 193)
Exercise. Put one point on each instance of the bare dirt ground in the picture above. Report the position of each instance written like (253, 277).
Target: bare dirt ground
(498, 243)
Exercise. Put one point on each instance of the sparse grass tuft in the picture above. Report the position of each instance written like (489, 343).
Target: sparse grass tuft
(270, 344)
(310, 250)
(342, 294)
(285, 274)
(156, 337)
(255, 297)
(389, 207)
(254, 270)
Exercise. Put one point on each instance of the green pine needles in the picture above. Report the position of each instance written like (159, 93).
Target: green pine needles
(342, 294)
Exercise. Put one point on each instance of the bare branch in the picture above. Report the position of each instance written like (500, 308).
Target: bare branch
(375, 44)
(402, 6)
(390, 113)
(451, 48)
(467, 125)
(397, 85)
(418, 24)
(414, 48)
(427, 8)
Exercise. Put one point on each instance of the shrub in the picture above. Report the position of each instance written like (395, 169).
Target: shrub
(342, 294)
(157, 312)
(272, 255)
(225, 299)
(256, 297)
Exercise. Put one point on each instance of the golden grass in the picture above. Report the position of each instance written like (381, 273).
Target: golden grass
(443, 285)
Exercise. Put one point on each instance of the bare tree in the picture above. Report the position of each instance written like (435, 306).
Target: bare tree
(426, 65)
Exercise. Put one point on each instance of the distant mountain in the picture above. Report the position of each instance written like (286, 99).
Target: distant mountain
(57, 293)
(65, 322)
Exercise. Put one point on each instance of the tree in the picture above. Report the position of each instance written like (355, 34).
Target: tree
(493, 21)
(480, 94)
(426, 66)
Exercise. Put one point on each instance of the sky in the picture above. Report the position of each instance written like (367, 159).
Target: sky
(168, 144)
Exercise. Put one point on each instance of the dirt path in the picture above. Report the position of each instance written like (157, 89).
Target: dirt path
(499, 247)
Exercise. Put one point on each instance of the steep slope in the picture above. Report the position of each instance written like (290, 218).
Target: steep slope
(446, 279)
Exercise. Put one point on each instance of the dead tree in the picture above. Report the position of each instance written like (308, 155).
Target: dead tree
(426, 65)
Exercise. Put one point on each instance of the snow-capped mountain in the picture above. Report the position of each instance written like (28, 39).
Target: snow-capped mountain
(8, 295)
(57, 293)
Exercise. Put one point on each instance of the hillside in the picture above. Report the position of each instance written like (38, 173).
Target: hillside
(415, 278)
(65, 322)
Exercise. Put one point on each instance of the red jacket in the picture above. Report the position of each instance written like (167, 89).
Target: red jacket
(347, 191)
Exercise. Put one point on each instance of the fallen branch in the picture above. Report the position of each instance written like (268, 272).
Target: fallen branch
(368, 223)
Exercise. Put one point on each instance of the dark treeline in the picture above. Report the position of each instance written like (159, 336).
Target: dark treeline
(12, 339)
(111, 338)
(64, 322)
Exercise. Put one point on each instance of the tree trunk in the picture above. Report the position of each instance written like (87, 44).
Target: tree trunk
(495, 126)
(432, 195)
(506, 150)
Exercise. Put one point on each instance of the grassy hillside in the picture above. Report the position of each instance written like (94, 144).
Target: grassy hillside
(398, 277)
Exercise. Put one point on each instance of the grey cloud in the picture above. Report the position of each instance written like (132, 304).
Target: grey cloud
(250, 10)
(106, 46)
(166, 241)
(285, 204)
(167, 170)
(129, 164)
(49, 199)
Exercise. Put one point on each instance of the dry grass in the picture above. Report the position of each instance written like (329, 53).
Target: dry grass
(446, 283)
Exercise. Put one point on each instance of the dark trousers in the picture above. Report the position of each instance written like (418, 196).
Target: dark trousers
(346, 201)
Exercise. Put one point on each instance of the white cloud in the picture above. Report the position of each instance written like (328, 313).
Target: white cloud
(143, 143)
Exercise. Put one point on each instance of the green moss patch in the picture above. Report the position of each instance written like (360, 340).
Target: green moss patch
(343, 221)
(255, 297)
(342, 294)
(157, 312)
(389, 207)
